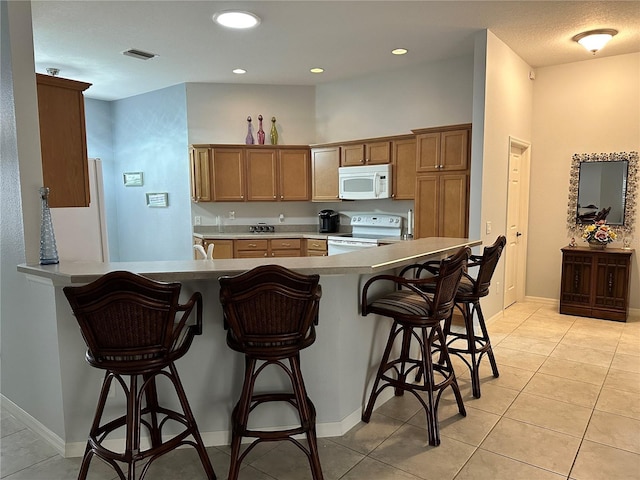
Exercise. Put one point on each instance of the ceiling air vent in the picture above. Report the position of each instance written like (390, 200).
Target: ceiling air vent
(139, 54)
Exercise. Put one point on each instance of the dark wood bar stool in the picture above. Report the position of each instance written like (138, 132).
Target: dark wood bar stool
(135, 330)
(471, 345)
(270, 313)
(417, 316)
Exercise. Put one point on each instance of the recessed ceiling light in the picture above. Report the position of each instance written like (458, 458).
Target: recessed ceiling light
(239, 71)
(317, 70)
(236, 19)
(399, 51)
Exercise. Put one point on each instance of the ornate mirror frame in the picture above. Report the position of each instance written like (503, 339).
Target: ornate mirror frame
(575, 229)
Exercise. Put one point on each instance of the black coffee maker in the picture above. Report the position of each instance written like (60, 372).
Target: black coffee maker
(329, 221)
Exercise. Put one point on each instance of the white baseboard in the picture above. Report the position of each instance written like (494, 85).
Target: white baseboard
(35, 426)
(210, 439)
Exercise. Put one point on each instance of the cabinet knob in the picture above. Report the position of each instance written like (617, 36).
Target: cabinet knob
(265, 254)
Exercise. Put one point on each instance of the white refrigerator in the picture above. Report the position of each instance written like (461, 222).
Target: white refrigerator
(81, 232)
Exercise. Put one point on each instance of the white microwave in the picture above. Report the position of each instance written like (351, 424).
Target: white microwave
(368, 182)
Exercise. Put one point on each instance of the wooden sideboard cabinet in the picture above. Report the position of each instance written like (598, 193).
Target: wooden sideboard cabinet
(595, 283)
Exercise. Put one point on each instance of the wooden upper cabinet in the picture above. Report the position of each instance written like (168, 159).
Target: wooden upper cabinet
(228, 174)
(404, 169)
(443, 151)
(372, 153)
(294, 175)
(261, 165)
(200, 164)
(324, 173)
(63, 140)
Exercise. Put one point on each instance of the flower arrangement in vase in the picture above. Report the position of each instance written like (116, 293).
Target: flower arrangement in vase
(598, 235)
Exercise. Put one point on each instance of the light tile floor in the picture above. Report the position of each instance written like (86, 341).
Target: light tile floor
(564, 407)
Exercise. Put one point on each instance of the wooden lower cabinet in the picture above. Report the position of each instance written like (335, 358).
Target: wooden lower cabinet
(280, 247)
(315, 247)
(221, 248)
(595, 283)
(442, 206)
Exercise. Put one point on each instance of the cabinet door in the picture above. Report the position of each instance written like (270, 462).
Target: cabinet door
(221, 248)
(611, 282)
(261, 175)
(452, 206)
(228, 174)
(294, 175)
(428, 152)
(352, 155)
(575, 286)
(200, 175)
(404, 169)
(63, 141)
(454, 150)
(324, 174)
(443, 151)
(377, 153)
(426, 222)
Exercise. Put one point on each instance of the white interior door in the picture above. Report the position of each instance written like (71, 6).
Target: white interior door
(517, 206)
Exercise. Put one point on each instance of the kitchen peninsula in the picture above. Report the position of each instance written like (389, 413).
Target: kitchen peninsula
(337, 368)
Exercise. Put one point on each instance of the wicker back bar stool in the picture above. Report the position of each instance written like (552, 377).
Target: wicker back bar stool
(270, 313)
(416, 317)
(471, 345)
(135, 330)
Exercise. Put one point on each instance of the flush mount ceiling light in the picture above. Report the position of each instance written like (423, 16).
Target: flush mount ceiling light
(399, 51)
(594, 40)
(316, 70)
(239, 71)
(236, 19)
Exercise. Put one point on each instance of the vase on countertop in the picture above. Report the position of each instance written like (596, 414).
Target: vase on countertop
(48, 249)
(596, 245)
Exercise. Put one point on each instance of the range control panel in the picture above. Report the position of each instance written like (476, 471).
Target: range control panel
(376, 220)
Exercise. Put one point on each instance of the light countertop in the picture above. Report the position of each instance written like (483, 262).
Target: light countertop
(368, 261)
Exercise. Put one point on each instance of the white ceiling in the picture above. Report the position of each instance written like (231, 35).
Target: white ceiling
(85, 39)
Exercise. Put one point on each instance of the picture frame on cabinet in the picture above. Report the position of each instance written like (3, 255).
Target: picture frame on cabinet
(158, 199)
(133, 179)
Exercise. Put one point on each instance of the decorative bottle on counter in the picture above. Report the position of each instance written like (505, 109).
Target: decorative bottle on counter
(274, 133)
(249, 140)
(48, 250)
(260, 131)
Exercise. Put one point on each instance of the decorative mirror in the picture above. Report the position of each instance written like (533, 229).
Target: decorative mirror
(603, 186)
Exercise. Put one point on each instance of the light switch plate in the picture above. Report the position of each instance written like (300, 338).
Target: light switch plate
(488, 228)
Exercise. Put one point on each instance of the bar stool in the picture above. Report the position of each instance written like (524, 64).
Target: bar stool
(270, 313)
(467, 300)
(135, 330)
(417, 316)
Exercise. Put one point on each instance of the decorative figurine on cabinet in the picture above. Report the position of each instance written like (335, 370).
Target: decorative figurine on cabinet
(249, 139)
(260, 131)
(274, 133)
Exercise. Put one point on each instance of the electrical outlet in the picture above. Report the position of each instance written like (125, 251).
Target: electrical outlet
(488, 228)
(232, 215)
(281, 218)
(197, 220)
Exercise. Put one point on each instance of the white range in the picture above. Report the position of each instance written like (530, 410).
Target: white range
(366, 230)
